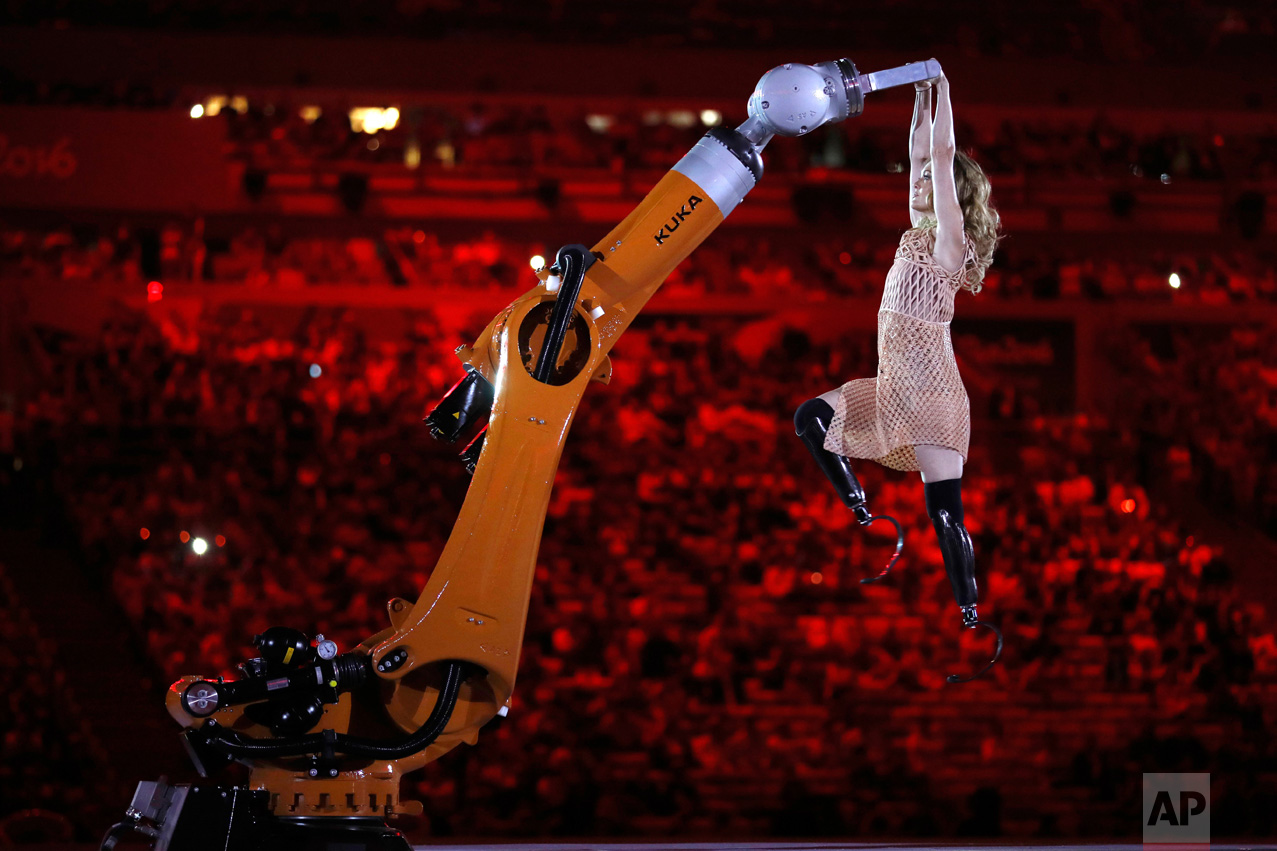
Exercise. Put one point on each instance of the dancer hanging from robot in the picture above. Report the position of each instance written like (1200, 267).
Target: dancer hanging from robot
(328, 735)
(915, 415)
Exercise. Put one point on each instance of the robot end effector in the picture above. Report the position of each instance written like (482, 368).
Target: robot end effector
(793, 100)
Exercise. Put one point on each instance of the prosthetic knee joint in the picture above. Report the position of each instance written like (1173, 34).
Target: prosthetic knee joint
(811, 423)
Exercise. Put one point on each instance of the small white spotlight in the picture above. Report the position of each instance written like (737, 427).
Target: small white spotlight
(1174, 280)
(199, 546)
(316, 370)
(537, 262)
(711, 117)
(197, 111)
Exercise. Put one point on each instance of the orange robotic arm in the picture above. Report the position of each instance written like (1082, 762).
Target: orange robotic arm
(448, 662)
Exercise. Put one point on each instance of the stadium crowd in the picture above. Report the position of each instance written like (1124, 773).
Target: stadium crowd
(44, 780)
(724, 636)
(1207, 399)
(732, 262)
(486, 138)
(495, 137)
(700, 658)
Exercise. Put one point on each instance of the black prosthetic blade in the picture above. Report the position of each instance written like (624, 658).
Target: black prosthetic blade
(959, 558)
(835, 467)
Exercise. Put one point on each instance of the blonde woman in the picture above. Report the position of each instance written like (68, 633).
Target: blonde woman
(915, 414)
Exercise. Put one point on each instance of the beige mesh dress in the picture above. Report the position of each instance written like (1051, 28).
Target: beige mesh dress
(918, 397)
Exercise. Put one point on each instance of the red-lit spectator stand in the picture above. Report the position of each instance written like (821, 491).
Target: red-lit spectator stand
(224, 324)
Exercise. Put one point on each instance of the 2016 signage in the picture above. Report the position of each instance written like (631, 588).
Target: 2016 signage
(56, 160)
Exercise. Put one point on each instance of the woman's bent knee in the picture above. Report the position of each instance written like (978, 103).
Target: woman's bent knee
(937, 463)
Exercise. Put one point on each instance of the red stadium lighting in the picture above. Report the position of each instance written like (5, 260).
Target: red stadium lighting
(184, 537)
(1128, 506)
(145, 533)
(154, 291)
(817, 578)
(220, 540)
(845, 258)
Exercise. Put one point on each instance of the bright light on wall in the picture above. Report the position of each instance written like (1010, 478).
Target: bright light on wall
(197, 111)
(199, 546)
(711, 117)
(370, 119)
(537, 262)
(310, 113)
(316, 370)
(599, 123)
(1174, 280)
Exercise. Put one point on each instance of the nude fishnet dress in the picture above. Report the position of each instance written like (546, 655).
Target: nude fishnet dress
(918, 396)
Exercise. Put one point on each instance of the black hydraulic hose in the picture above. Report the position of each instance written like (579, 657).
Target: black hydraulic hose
(572, 262)
(238, 745)
(113, 835)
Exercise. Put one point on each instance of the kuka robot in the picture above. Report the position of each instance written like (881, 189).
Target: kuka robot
(328, 735)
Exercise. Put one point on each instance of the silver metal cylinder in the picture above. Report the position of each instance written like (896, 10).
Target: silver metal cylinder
(717, 171)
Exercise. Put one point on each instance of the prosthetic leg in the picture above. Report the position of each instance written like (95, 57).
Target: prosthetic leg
(811, 424)
(944, 504)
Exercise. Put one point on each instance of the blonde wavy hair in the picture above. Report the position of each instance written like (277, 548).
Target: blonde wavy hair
(980, 220)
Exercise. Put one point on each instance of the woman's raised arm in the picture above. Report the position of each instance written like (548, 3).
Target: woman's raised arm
(949, 225)
(919, 142)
